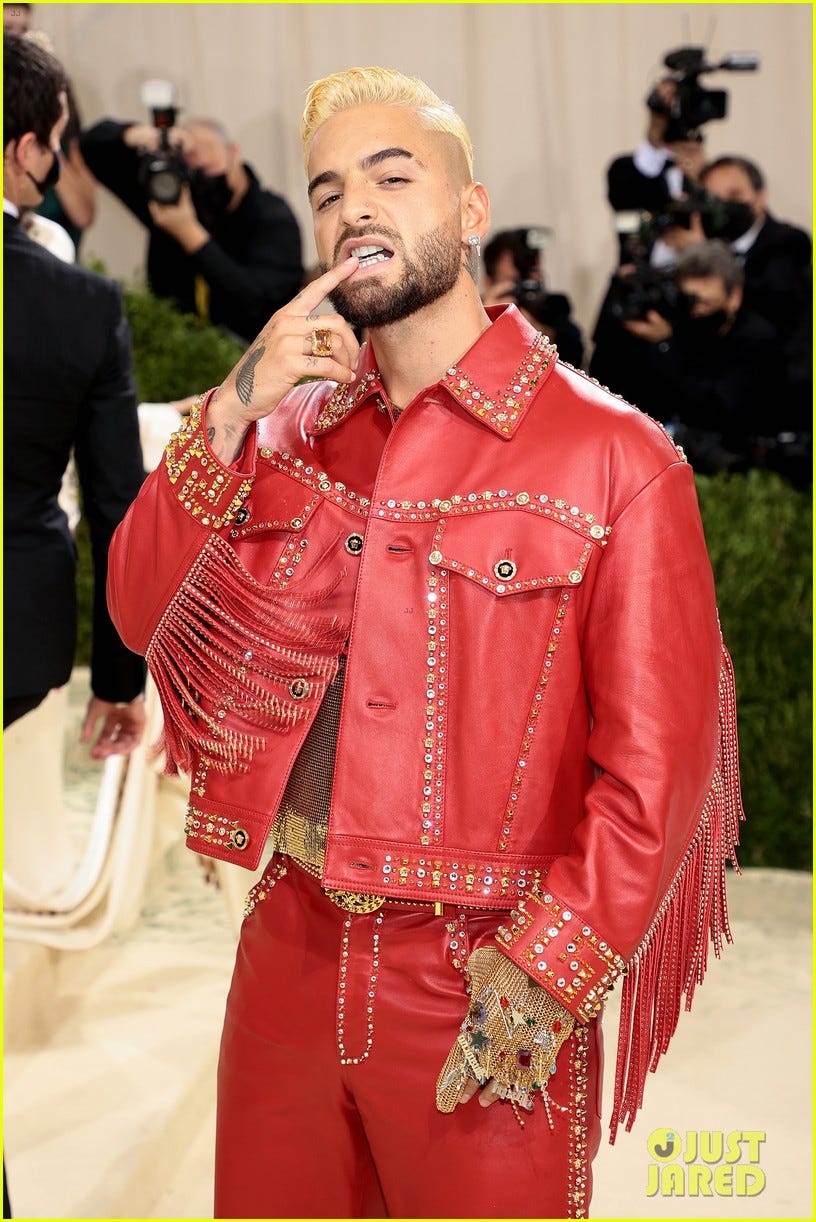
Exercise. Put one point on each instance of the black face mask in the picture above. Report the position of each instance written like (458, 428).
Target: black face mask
(738, 220)
(52, 177)
(211, 193)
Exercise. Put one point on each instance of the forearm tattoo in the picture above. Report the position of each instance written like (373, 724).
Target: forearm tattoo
(245, 379)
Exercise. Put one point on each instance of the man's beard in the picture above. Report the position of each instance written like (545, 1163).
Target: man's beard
(428, 276)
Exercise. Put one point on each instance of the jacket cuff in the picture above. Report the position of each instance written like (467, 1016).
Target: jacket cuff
(210, 492)
(562, 953)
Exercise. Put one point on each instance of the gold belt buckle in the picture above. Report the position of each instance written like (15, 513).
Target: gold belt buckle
(354, 901)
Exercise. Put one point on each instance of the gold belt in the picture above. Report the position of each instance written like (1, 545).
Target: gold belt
(355, 901)
(362, 902)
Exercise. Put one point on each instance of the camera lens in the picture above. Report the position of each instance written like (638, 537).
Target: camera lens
(165, 187)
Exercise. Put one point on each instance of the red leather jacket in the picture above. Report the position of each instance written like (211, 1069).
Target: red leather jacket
(517, 573)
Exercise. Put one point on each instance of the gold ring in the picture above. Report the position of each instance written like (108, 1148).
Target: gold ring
(321, 342)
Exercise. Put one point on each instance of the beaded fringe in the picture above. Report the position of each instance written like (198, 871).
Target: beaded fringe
(219, 650)
(671, 961)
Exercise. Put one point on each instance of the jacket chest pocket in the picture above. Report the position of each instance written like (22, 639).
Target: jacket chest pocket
(283, 534)
(512, 552)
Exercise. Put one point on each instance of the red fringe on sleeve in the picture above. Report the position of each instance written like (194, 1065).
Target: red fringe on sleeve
(225, 653)
(671, 961)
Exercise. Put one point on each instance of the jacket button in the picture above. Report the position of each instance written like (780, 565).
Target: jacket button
(575, 577)
(354, 544)
(299, 688)
(505, 570)
(239, 838)
(597, 532)
(243, 515)
(435, 557)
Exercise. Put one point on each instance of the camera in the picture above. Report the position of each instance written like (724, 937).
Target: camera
(162, 173)
(647, 288)
(693, 105)
(723, 219)
(549, 309)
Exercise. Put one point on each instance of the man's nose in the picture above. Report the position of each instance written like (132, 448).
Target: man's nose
(358, 206)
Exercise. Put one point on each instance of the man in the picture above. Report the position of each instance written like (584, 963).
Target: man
(641, 187)
(710, 372)
(417, 615)
(69, 207)
(776, 261)
(665, 166)
(68, 383)
(229, 249)
(776, 256)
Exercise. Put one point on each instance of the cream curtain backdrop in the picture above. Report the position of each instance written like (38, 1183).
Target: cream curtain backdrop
(551, 93)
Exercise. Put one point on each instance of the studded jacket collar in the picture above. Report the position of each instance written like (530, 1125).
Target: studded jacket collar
(495, 381)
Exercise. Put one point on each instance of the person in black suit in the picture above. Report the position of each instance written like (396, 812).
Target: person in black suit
(776, 261)
(68, 383)
(776, 256)
(229, 250)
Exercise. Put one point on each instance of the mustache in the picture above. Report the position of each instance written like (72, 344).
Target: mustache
(350, 234)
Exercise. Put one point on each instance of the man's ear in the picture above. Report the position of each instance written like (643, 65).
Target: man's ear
(734, 300)
(475, 210)
(20, 149)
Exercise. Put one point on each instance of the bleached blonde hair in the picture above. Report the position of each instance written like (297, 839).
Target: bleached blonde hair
(381, 87)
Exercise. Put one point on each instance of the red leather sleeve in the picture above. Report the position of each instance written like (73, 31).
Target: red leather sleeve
(189, 495)
(652, 657)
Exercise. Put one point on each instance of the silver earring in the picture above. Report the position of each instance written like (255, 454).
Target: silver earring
(474, 240)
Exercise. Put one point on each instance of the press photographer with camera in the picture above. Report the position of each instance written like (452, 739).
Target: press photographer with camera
(668, 162)
(220, 245)
(664, 166)
(776, 260)
(514, 273)
(710, 370)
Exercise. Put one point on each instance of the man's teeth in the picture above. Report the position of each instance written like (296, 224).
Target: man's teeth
(371, 254)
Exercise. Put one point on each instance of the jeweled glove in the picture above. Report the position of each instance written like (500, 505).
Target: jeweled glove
(512, 1033)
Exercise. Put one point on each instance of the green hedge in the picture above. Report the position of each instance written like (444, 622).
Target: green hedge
(758, 530)
(175, 355)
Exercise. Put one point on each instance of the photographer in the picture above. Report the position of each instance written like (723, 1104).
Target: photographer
(228, 250)
(665, 166)
(513, 273)
(709, 366)
(776, 261)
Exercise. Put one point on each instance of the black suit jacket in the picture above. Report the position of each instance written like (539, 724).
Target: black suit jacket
(778, 274)
(778, 285)
(252, 262)
(68, 382)
(630, 191)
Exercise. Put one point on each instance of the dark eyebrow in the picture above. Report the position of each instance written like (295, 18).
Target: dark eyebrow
(326, 176)
(367, 163)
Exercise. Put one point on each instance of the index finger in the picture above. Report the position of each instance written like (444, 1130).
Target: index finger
(311, 297)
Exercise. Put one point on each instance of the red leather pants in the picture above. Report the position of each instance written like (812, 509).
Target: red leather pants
(301, 1135)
